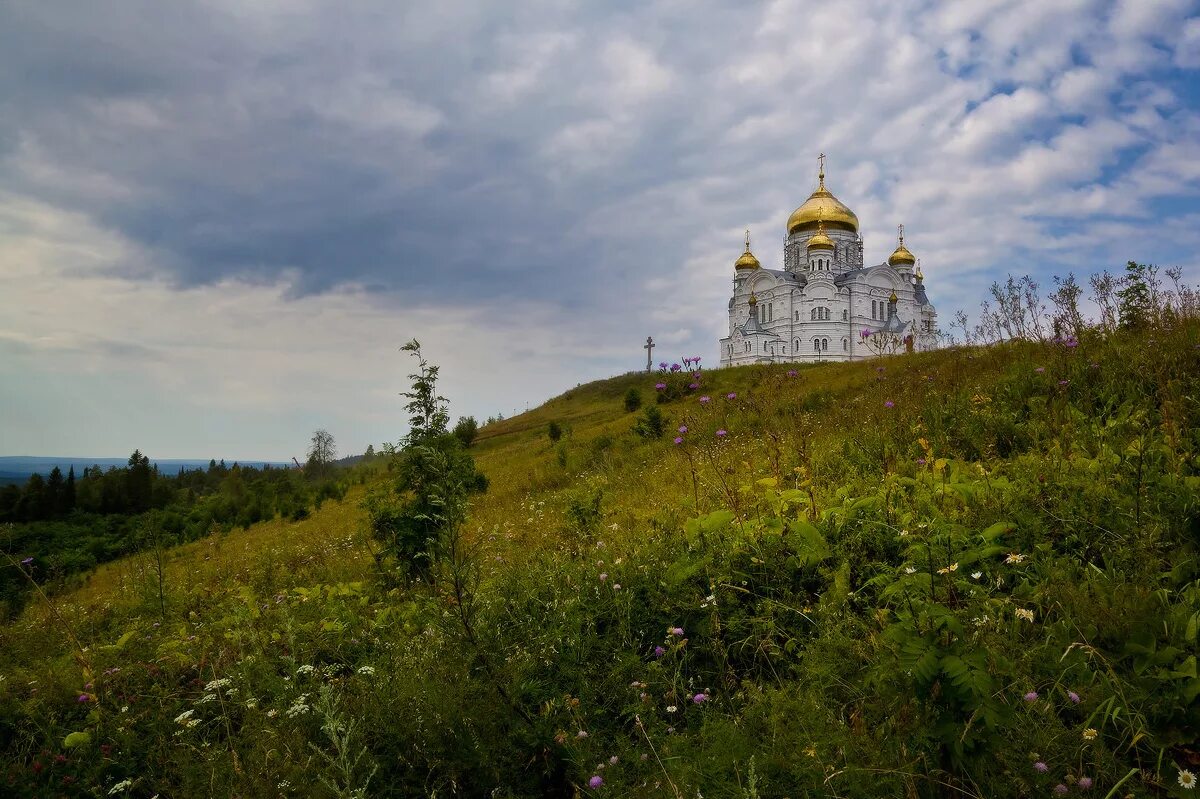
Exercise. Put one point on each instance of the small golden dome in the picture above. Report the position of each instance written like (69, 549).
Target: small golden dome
(753, 300)
(893, 298)
(819, 240)
(901, 254)
(821, 204)
(747, 259)
(918, 274)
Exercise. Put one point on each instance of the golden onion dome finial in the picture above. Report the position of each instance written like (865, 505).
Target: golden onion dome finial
(820, 240)
(753, 300)
(822, 202)
(901, 255)
(919, 276)
(893, 298)
(747, 259)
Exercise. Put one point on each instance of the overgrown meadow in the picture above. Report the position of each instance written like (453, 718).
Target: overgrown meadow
(969, 573)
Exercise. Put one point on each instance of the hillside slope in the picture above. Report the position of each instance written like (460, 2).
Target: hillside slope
(966, 573)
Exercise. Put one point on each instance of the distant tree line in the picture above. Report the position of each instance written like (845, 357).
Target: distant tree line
(70, 523)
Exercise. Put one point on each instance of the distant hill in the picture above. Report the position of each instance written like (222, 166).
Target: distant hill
(17, 468)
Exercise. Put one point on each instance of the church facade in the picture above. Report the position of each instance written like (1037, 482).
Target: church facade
(825, 304)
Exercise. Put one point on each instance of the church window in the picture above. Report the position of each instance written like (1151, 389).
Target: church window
(824, 343)
(816, 345)
(812, 315)
(796, 345)
(845, 345)
(797, 316)
(845, 314)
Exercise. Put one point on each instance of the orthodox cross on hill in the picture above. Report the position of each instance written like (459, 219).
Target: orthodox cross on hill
(649, 348)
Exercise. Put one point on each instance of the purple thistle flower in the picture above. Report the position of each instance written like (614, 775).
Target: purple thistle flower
(595, 781)
(1040, 767)
(791, 373)
(695, 375)
(675, 367)
(889, 404)
(1040, 369)
(83, 698)
(1064, 382)
(696, 359)
(683, 428)
(722, 433)
(704, 400)
(660, 386)
(27, 561)
(659, 651)
(1032, 696)
(678, 439)
(1072, 342)
(677, 631)
(1084, 783)
(700, 699)
(662, 364)
(1074, 697)
(920, 461)
(1060, 788)
(865, 333)
(732, 395)
(693, 386)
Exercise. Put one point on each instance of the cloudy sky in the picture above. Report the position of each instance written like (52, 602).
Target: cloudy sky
(219, 221)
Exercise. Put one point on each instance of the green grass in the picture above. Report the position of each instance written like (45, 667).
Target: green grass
(821, 560)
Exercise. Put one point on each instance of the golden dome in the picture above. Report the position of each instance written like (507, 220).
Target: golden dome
(753, 300)
(821, 204)
(901, 254)
(893, 298)
(747, 259)
(819, 239)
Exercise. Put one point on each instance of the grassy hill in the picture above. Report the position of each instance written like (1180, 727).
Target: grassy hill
(969, 573)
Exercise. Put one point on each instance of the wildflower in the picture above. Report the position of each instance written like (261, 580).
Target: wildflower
(951, 568)
(1022, 613)
(368, 671)
(27, 561)
(675, 367)
(976, 575)
(700, 698)
(909, 570)
(1064, 382)
(662, 364)
(677, 631)
(732, 395)
(659, 651)
(1090, 734)
(722, 433)
(693, 386)
(612, 761)
(1031, 696)
(603, 576)
(791, 373)
(889, 404)
(272, 713)
(671, 708)
(595, 781)
(1040, 767)
(1187, 779)
(305, 669)
(1060, 788)
(660, 386)
(83, 698)
(920, 461)
(682, 429)
(123, 785)
(183, 717)
(1072, 342)
(1084, 783)
(704, 400)
(616, 586)
(1014, 558)
(581, 734)
(864, 333)
(1040, 369)
(1074, 697)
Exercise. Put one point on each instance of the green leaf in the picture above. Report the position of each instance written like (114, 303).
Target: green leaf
(996, 530)
(77, 739)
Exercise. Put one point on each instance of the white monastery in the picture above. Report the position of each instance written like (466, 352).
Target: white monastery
(824, 304)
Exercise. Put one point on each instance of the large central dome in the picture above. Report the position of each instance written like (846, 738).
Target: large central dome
(822, 206)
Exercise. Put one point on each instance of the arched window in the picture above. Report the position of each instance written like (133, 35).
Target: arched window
(797, 316)
(824, 343)
(845, 314)
(813, 315)
(845, 345)
(796, 345)
(816, 345)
